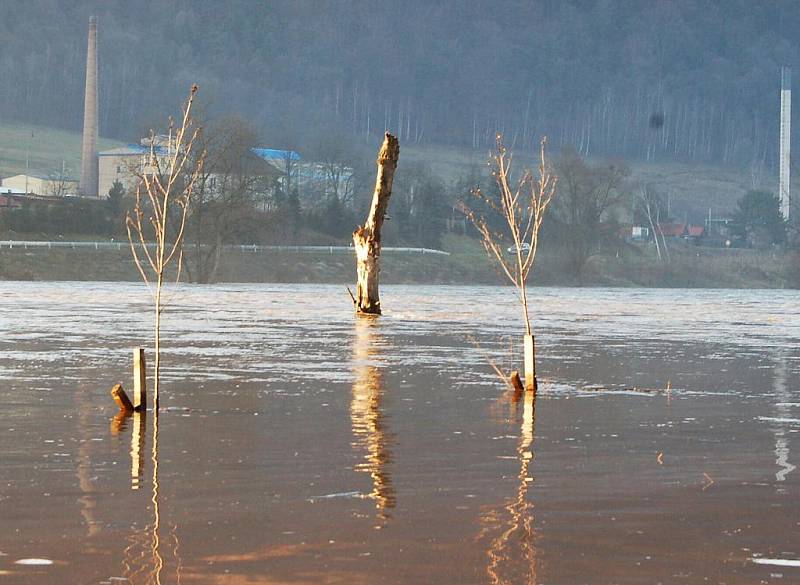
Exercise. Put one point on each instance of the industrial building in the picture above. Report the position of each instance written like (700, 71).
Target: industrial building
(37, 185)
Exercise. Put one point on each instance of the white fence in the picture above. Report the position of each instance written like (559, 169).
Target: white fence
(25, 245)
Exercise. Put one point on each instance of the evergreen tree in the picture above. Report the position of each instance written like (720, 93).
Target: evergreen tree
(758, 219)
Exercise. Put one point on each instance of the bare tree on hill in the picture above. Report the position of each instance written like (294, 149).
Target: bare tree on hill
(224, 194)
(587, 193)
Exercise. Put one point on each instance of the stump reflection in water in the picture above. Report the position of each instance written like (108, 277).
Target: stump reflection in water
(370, 436)
(509, 528)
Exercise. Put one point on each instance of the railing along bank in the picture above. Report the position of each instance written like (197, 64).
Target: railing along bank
(11, 244)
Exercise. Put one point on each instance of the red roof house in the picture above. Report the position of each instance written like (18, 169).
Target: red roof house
(675, 230)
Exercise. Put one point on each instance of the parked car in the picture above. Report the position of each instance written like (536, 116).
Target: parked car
(525, 247)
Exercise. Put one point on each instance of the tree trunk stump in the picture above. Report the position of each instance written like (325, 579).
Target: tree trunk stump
(367, 238)
(122, 400)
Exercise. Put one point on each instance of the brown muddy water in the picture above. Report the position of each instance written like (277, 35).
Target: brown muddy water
(299, 444)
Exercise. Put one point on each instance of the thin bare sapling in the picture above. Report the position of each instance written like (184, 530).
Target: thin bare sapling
(157, 222)
(521, 204)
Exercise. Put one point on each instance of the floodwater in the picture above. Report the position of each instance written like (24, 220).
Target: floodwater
(300, 444)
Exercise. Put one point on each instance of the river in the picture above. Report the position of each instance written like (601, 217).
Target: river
(300, 444)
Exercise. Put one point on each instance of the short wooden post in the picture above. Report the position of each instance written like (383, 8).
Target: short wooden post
(530, 365)
(122, 400)
(139, 380)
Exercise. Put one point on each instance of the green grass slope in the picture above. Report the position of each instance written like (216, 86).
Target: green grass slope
(691, 188)
(48, 148)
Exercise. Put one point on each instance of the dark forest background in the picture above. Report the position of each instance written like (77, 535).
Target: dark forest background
(586, 73)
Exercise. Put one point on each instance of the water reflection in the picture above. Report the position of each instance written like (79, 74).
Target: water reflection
(143, 557)
(511, 552)
(158, 560)
(138, 447)
(781, 426)
(119, 424)
(368, 424)
(83, 470)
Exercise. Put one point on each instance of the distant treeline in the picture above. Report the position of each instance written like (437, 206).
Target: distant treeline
(232, 203)
(420, 213)
(685, 80)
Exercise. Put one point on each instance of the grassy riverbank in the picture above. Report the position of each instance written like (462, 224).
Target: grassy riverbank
(625, 265)
(467, 264)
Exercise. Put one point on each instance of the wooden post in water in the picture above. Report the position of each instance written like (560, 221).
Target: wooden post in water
(530, 365)
(139, 380)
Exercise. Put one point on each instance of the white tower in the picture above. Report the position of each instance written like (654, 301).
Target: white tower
(786, 140)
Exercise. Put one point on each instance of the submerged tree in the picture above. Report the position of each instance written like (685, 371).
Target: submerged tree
(163, 194)
(522, 204)
(367, 238)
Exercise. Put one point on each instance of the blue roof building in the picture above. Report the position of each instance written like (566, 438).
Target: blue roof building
(273, 155)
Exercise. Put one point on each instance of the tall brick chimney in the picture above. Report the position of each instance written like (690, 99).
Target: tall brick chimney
(89, 171)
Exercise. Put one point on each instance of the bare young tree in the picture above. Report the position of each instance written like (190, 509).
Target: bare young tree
(649, 202)
(291, 169)
(336, 156)
(163, 192)
(522, 204)
(58, 182)
(588, 192)
(224, 195)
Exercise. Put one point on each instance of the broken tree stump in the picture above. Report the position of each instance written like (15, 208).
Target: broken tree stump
(139, 380)
(122, 400)
(516, 384)
(367, 238)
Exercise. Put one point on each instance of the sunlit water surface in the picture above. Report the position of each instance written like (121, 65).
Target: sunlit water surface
(300, 444)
